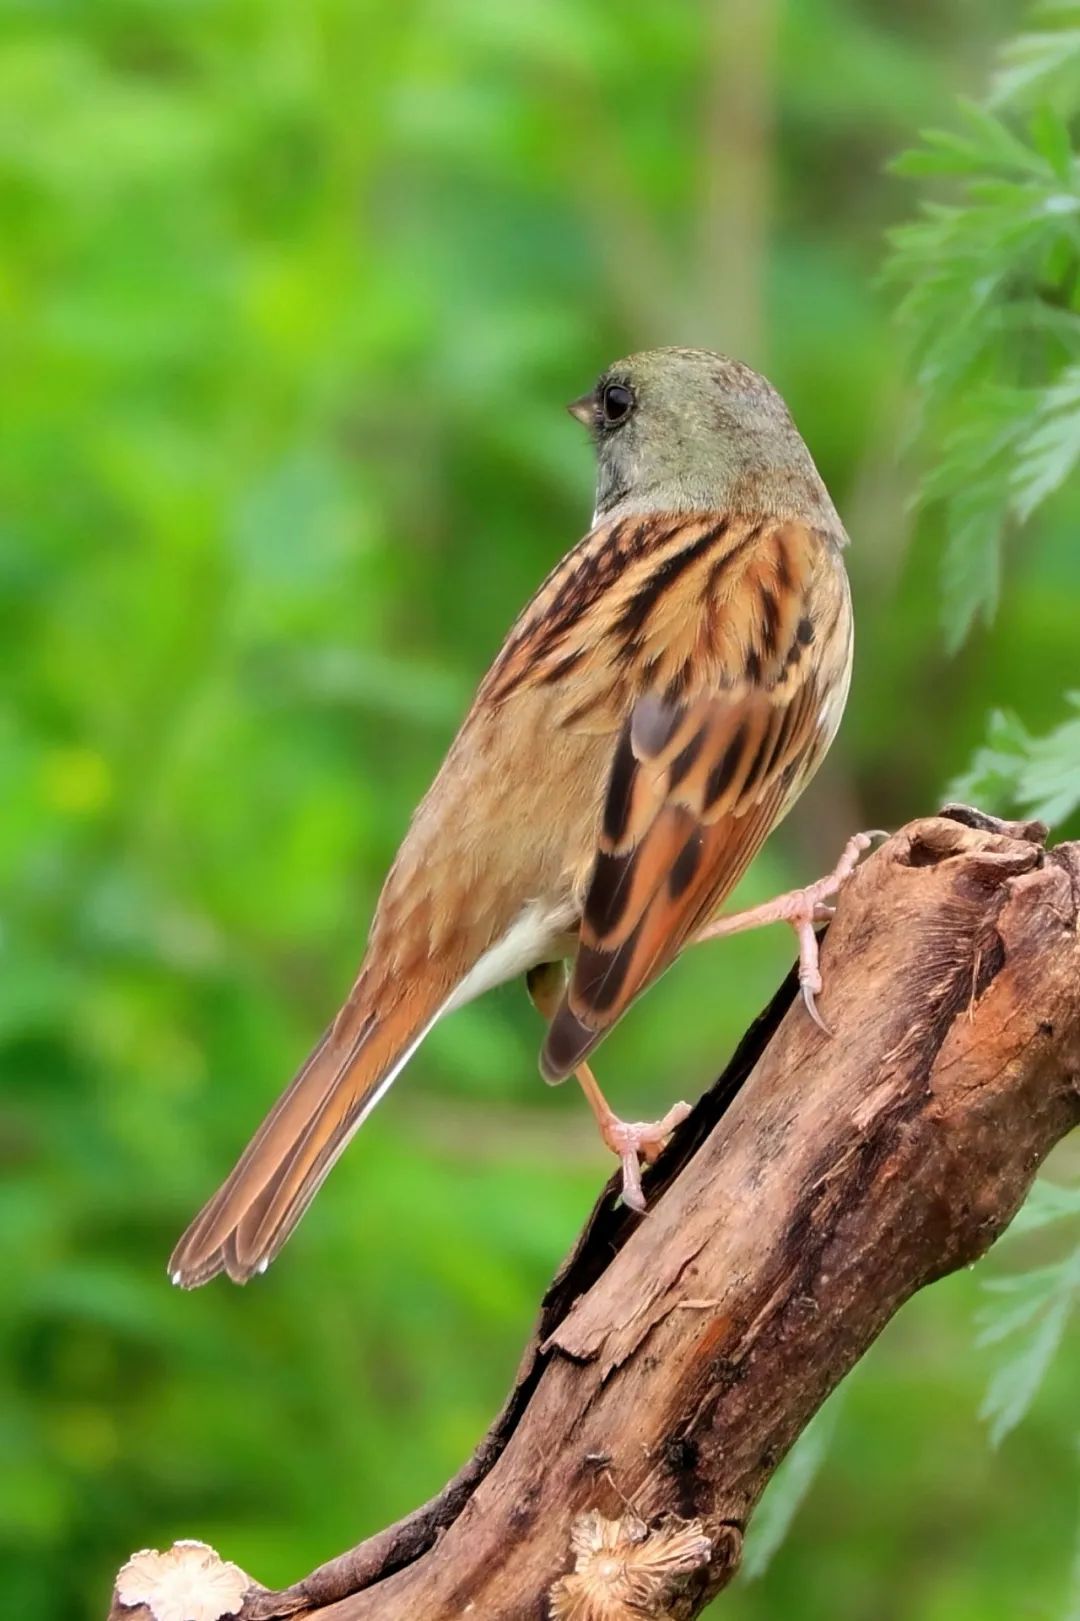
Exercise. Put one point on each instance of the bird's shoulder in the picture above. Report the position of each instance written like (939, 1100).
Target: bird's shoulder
(670, 602)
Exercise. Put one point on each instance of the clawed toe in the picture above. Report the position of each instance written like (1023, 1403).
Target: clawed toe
(631, 1142)
(637, 1142)
(633, 1194)
(809, 996)
(811, 906)
(802, 908)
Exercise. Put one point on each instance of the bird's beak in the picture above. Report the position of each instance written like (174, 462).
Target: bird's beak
(584, 409)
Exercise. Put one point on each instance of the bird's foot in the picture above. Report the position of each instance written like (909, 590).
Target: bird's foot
(801, 908)
(636, 1141)
(631, 1141)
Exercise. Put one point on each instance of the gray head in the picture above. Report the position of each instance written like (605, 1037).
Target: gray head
(687, 429)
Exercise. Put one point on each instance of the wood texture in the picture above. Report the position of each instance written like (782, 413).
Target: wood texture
(812, 1191)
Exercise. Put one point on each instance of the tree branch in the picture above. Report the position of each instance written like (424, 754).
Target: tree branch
(815, 1187)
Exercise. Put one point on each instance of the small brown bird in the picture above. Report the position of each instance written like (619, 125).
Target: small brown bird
(654, 712)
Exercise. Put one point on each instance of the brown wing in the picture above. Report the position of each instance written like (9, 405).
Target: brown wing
(698, 780)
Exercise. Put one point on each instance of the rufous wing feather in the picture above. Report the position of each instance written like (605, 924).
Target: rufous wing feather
(697, 781)
(661, 872)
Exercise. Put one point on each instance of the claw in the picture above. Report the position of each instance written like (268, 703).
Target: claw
(809, 996)
(630, 1142)
(633, 1195)
(802, 908)
(636, 1143)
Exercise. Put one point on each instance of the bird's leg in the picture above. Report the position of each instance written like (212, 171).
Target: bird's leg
(802, 908)
(631, 1141)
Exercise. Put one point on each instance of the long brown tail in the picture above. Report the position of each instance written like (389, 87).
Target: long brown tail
(247, 1221)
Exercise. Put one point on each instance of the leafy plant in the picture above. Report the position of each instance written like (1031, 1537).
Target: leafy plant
(991, 307)
(789, 1488)
(1039, 775)
(1028, 1316)
(1029, 1313)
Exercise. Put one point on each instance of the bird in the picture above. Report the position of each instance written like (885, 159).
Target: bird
(653, 713)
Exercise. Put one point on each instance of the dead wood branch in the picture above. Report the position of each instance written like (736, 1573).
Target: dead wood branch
(813, 1190)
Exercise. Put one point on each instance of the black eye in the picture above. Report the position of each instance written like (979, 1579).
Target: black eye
(616, 403)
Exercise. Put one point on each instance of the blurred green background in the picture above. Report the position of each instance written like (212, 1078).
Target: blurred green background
(291, 296)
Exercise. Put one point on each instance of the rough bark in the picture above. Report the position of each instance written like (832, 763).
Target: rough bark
(817, 1186)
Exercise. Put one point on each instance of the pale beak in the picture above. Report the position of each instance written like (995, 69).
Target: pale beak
(584, 409)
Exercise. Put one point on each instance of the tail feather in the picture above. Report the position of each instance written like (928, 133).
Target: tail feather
(245, 1224)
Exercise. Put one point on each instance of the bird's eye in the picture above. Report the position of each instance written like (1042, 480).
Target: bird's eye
(616, 403)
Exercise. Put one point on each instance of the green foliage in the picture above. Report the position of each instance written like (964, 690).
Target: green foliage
(1041, 64)
(1030, 1318)
(1031, 1313)
(1040, 775)
(290, 297)
(1042, 1303)
(991, 308)
(788, 1490)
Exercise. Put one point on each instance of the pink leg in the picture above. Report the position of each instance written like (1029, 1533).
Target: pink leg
(801, 908)
(633, 1143)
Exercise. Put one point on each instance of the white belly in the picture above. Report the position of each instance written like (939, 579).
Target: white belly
(538, 934)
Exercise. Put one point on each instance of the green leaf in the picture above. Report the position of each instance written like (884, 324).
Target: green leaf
(971, 569)
(992, 137)
(1046, 1301)
(1050, 137)
(998, 1325)
(1015, 1385)
(1038, 775)
(1049, 785)
(990, 271)
(789, 1489)
(1048, 453)
(993, 778)
(1036, 61)
(1048, 1202)
(1045, 1281)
